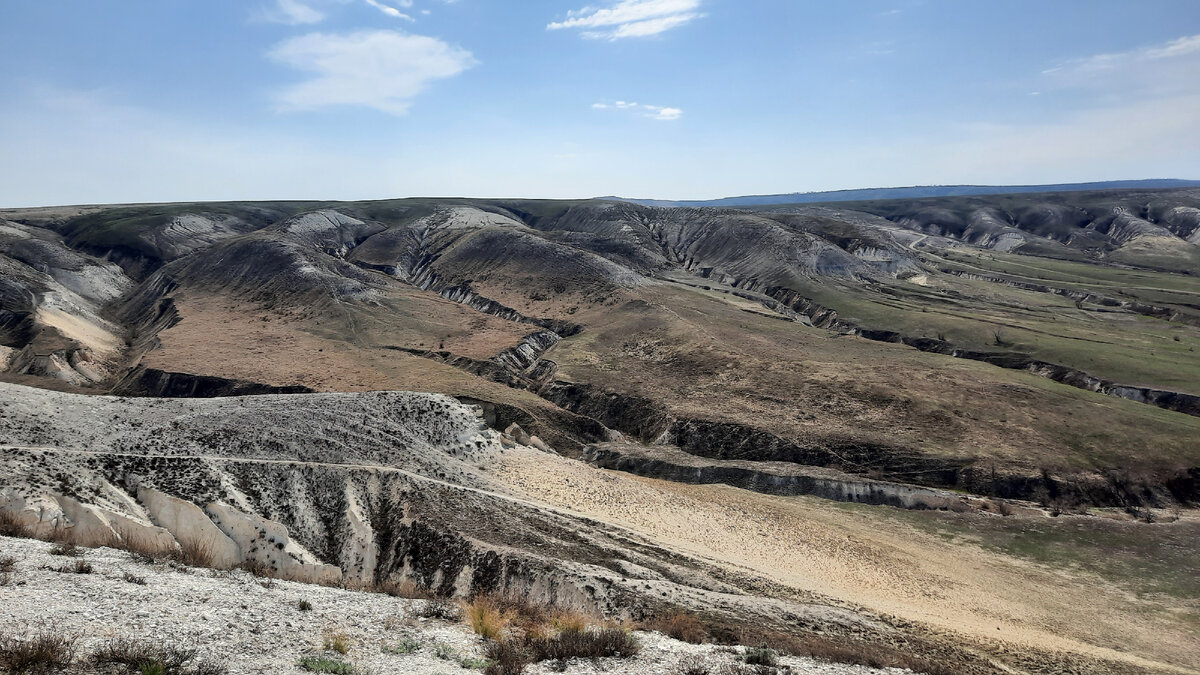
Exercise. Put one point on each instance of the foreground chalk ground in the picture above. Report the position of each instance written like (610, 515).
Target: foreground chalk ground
(253, 625)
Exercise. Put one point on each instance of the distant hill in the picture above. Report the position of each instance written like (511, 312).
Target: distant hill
(916, 192)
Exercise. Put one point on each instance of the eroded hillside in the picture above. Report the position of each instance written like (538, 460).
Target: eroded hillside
(994, 358)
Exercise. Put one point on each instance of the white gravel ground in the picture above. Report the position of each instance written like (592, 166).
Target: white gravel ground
(253, 625)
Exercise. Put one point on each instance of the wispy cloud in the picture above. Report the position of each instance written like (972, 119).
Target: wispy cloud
(392, 11)
(381, 69)
(297, 12)
(630, 18)
(291, 12)
(1164, 69)
(657, 112)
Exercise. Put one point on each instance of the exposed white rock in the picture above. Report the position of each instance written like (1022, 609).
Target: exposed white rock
(190, 527)
(94, 526)
(267, 542)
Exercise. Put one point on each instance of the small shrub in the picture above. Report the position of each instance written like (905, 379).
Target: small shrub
(44, 650)
(404, 646)
(440, 608)
(70, 550)
(680, 626)
(134, 579)
(304, 606)
(336, 641)
(473, 663)
(761, 656)
(8, 564)
(324, 664)
(507, 658)
(588, 644)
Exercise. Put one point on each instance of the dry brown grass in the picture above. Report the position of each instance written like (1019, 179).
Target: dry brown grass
(407, 589)
(198, 553)
(11, 526)
(486, 617)
(679, 625)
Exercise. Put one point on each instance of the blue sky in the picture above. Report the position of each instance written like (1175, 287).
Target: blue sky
(159, 100)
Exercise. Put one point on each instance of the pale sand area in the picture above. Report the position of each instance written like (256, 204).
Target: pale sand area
(863, 556)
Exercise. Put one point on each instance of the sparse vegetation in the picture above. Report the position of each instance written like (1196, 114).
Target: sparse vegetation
(78, 567)
(445, 652)
(408, 589)
(134, 579)
(404, 646)
(66, 549)
(761, 656)
(325, 664)
(474, 663)
(150, 658)
(47, 649)
(304, 606)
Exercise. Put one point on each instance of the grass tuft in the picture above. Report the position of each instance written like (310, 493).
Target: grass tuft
(486, 617)
(149, 658)
(336, 641)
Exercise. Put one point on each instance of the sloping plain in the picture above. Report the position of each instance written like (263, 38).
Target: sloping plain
(782, 334)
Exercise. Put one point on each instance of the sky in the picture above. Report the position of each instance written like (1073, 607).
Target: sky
(202, 100)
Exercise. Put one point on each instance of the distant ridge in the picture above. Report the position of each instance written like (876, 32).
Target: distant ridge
(916, 192)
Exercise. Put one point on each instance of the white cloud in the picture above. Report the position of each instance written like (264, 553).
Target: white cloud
(657, 112)
(630, 18)
(379, 69)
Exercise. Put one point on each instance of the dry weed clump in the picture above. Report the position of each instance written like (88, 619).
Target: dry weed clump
(47, 649)
(518, 633)
(149, 658)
